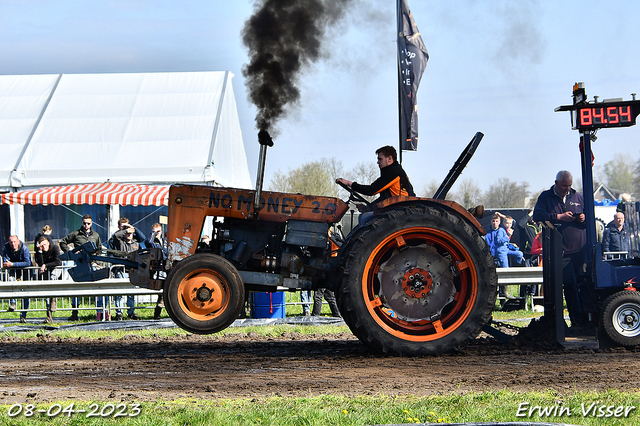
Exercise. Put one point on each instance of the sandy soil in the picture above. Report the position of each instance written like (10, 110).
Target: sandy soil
(47, 368)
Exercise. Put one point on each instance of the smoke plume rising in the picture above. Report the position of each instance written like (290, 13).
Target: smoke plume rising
(284, 37)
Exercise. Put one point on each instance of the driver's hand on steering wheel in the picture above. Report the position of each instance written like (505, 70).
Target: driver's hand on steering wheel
(344, 182)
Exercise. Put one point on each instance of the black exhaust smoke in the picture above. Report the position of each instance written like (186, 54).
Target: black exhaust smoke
(283, 37)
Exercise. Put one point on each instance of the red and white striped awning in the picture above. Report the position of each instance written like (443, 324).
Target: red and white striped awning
(123, 194)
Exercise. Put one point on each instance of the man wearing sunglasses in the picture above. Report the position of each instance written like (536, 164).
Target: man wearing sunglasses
(77, 238)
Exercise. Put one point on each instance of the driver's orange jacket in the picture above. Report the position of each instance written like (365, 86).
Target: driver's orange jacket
(393, 181)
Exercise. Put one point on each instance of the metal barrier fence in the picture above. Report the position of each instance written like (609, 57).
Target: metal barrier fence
(26, 283)
(526, 275)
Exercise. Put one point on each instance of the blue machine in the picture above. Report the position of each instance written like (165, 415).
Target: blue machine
(612, 285)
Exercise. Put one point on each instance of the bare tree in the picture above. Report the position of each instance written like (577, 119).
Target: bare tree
(364, 173)
(506, 194)
(429, 189)
(636, 181)
(313, 178)
(468, 193)
(619, 173)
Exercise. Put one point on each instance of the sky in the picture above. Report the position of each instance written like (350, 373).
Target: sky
(498, 67)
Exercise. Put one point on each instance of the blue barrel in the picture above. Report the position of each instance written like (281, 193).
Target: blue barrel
(268, 305)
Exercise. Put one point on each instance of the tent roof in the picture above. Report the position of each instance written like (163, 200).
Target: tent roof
(131, 128)
(97, 193)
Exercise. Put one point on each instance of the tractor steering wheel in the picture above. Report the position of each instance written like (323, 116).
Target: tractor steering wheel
(353, 195)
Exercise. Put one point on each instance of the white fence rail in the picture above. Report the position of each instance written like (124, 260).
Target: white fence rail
(27, 283)
(519, 276)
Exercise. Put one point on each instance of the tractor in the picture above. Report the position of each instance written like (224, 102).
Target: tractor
(417, 278)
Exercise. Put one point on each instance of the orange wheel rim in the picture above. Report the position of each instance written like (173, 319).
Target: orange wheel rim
(203, 294)
(441, 246)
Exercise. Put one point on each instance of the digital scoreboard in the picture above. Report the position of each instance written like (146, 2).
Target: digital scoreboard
(598, 115)
(606, 116)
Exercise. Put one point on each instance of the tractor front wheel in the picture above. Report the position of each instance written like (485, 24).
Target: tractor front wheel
(204, 293)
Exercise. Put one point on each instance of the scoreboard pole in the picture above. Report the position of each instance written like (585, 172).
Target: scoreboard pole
(586, 159)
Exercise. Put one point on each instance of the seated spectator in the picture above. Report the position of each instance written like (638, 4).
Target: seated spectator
(498, 241)
(615, 237)
(47, 258)
(528, 232)
(513, 252)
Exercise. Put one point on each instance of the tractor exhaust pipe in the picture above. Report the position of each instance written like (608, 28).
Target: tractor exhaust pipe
(265, 141)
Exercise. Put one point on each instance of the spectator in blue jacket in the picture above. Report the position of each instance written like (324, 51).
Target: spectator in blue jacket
(616, 237)
(16, 255)
(499, 244)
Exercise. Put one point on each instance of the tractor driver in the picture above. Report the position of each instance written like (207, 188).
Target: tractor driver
(393, 180)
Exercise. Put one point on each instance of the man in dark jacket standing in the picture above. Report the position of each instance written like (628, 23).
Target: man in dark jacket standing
(564, 208)
(393, 180)
(78, 238)
(47, 258)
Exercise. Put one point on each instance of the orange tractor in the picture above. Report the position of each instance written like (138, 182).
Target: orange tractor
(416, 278)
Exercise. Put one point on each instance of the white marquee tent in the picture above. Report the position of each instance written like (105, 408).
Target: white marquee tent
(144, 128)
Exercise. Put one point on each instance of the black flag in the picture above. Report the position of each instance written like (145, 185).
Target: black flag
(412, 60)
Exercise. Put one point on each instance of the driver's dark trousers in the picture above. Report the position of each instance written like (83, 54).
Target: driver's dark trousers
(329, 297)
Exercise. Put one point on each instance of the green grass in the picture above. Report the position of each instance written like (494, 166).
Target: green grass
(266, 331)
(147, 311)
(502, 406)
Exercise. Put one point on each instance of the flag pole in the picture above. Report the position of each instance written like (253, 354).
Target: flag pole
(398, 26)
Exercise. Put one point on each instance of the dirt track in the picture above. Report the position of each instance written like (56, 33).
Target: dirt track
(132, 368)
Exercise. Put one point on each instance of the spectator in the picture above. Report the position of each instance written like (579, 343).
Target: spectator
(204, 245)
(305, 298)
(513, 250)
(76, 239)
(114, 244)
(46, 230)
(16, 255)
(528, 231)
(498, 242)
(138, 236)
(495, 238)
(329, 297)
(564, 207)
(48, 258)
(616, 237)
(157, 240)
(124, 242)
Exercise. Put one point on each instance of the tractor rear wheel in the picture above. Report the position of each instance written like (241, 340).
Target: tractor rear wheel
(204, 293)
(621, 318)
(416, 281)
